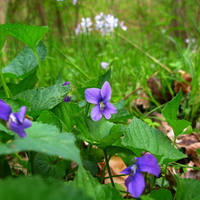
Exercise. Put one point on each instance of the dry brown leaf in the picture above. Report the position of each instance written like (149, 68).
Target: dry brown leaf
(183, 85)
(188, 139)
(164, 126)
(116, 166)
(16, 167)
(191, 143)
(142, 100)
(193, 174)
(155, 86)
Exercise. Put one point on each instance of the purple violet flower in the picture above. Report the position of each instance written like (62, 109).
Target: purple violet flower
(135, 183)
(66, 83)
(16, 122)
(100, 97)
(67, 98)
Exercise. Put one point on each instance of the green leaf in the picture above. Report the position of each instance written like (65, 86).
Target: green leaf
(122, 115)
(99, 81)
(170, 112)
(49, 166)
(35, 188)
(101, 133)
(25, 62)
(46, 139)
(44, 98)
(65, 112)
(16, 104)
(96, 83)
(84, 180)
(47, 117)
(30, 35)
(171, 109)
(188, 189)
(3, 36)
(139, 135)
(91, 167)
(179, 126)
(27, 83)
(161, 194)
(3, 128)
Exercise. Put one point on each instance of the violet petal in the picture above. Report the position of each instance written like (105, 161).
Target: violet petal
(106, 92)
(26, 124)
(135, 184)
(110, 107)
(95, 113)
(93, 95)
(67, 99)
(21, 114)
(17, 129)
(5, 110)
(66, 83)
(148, 163)
(127, 171)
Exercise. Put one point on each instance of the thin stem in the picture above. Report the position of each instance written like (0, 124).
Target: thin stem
(40, 67)
(103, 175)
(108, 167)
(127, 96)
(5, 87)
(87, 109)
(89, 148)
(163, 180)
(146, 53)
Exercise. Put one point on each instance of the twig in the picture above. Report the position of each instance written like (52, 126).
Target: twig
(127, 96)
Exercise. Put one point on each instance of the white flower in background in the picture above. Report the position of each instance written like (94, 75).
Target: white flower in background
(122, 26)
(104, 65)
(105, 24)
(84, 26)
(190, 40)
(74, 2)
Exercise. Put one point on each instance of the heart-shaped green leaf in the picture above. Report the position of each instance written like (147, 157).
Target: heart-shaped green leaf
(46, 139)
(30, 35)
(139, 135)
(25, 62)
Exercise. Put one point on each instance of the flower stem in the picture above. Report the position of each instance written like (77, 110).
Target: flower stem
(5, 87)
(108, 167)
(87, 109)
(40, 67)
(163, 179)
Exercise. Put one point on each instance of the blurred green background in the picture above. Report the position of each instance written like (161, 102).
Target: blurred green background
(162, 38)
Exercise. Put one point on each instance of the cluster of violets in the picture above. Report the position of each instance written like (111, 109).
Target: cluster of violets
(135, 183)
(105, 24)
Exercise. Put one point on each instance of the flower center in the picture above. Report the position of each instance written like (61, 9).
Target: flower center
(134, 168)
(13, 118)
(102, 105)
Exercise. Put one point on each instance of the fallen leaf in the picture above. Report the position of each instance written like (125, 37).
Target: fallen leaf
(193, 174)
(183, 84)
(116, 166)
(142, 100)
